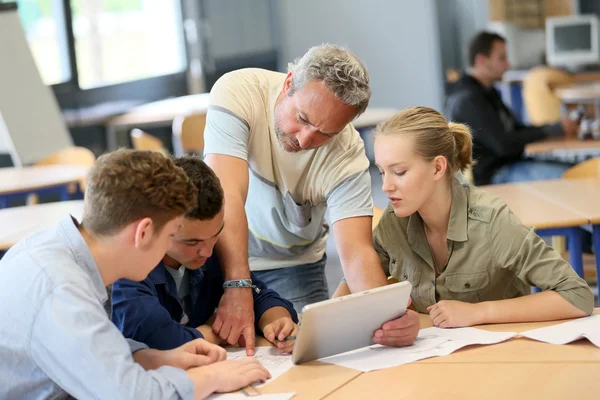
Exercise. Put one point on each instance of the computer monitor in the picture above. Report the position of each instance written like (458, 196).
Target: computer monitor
(572, 41)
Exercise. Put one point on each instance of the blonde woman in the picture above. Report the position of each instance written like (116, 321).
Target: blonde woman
(468, 257)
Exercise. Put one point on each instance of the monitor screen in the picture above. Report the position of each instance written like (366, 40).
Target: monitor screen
(576, 37)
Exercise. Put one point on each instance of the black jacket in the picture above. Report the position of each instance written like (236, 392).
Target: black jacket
(498, 139)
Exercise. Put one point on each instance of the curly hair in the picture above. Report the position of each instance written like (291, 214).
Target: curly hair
(127, 185)
(210, 193)
(342, 71)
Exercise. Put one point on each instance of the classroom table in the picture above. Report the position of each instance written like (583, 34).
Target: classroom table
(581, 196)
(581, 93)
(565, 150)
(18, 222)
(476, 381)
(20, 182)
(162, 113)
(507, 370)
(548, 217)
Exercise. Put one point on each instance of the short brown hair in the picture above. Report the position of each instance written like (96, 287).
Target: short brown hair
(433, 136)
(482, 43)
(210, 192)
(127, 185)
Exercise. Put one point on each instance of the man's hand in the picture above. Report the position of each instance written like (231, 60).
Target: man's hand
(455, 314)
(399, 332)
(570, 127)
(196, 353)
(235, 318)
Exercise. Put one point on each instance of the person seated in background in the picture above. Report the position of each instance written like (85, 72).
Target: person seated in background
(499, 139)
(176, 302)
(468, 257)
(56, 338)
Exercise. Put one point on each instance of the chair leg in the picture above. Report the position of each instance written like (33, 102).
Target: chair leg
(559, 244)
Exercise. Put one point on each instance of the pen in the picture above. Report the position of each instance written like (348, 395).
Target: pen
(287, 338)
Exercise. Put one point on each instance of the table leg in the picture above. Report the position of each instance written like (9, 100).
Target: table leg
(574, 243)
(575, 250)
(596, 244)
(64, 193)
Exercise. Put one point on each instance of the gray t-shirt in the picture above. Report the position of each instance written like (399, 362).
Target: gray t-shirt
(182, 280)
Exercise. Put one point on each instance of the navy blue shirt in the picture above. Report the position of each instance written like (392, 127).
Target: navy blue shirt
(150, 311)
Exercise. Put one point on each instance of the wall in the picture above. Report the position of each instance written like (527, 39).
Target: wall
(458, 21)
(398, 40)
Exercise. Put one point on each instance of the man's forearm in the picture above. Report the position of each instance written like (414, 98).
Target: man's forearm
(363, 271)
(232, 247)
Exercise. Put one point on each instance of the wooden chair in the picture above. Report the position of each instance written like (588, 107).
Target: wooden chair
(69, 156)
(144, 141)
(377, 213)
(188, 134)
(586, 169)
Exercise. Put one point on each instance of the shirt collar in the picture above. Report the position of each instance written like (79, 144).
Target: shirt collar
(69, 228)
(457, 224)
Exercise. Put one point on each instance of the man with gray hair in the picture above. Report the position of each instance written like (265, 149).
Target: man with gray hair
(286, 153)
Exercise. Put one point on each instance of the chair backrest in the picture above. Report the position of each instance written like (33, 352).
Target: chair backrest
(70, 156)
(377, 213)
(542, 104)
(586, 169)
(188, 134)
(144, 141)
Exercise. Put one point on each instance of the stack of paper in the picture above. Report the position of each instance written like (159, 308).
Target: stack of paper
(431, 342)
(568, 332)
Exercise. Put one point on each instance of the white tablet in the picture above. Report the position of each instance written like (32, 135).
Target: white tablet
(347, 323)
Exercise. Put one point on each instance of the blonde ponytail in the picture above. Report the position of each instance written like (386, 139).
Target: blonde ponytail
(463, 145)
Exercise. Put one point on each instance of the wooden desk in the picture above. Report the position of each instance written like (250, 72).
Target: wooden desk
(581, 196)
(16, 182)
(476, 381)
(547, 216)
(162, 113)
(570, 151)
(515, 369)
(535, 210)
(158, 113)
(581, 93)
(18, 222)
(561, 144)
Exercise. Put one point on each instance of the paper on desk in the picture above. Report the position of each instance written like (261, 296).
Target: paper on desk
(274, 362)
(588, 327)
(241, 396)
(431, 342)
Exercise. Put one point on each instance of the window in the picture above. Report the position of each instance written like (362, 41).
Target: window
(43, 22)
(115, 41)
(126, 40)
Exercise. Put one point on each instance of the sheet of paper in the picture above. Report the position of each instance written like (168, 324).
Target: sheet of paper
(241, 396)
(274, 362)
(431, 342)
(588, 328)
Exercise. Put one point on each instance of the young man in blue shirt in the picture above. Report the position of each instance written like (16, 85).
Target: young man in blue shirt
(177, 301)
(56, 338)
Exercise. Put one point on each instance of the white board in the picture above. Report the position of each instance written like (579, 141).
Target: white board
(33, 125)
